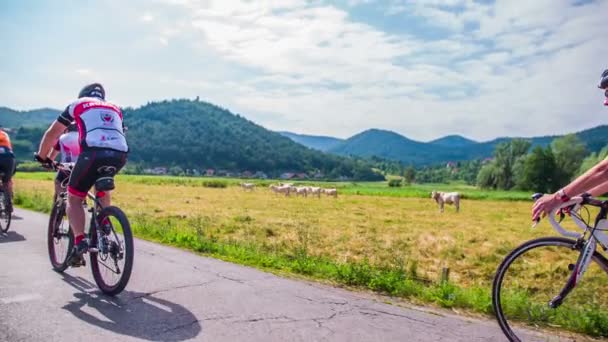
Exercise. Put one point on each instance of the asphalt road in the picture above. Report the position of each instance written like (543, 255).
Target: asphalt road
(178, 296)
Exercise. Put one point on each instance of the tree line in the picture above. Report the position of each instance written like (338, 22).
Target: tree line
(515, 164)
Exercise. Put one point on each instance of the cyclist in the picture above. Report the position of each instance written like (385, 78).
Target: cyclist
(7, 164)
(594, 181)
(102, 146)
(69, 147)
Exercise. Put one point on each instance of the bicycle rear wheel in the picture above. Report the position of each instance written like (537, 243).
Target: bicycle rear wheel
(533, 274)
(60, 238)
(113, 262)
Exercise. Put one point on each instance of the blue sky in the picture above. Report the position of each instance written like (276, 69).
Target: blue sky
(422, 68)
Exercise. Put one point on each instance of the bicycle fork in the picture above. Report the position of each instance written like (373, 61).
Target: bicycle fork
(578, 271)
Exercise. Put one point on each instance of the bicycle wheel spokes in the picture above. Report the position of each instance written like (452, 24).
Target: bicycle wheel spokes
(113, 262)
(533, 275)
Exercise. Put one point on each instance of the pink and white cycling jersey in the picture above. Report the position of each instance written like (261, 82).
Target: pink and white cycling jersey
(69, 146)
(99, 124)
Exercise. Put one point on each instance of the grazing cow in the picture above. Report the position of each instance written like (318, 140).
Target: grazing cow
(248, 186)
(331, 192)
(281, 189)
(302, 190)
(315, 191)
(446, 197)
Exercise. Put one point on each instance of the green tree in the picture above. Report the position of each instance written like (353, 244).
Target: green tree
(539, 171)
(569, 152)
(592, 160)
(409, 175)
(486, 178)
(505, 157)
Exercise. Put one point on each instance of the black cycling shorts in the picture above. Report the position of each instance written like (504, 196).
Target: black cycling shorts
(7, 167)
(87, 169)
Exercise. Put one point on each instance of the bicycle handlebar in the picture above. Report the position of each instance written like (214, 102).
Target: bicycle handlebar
(53, 165)
(574, 204)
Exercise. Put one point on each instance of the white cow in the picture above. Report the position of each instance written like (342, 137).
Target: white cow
(446, 197)
(281, 189)
(315, 191)
(331, 192)
(302, 191)
(248, 186)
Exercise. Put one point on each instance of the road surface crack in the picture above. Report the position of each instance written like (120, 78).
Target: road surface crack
(240, 281)
(326, 302)
(263, 319)
(148, 294)
(376, 313)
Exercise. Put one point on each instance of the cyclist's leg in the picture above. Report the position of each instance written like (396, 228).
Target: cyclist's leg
(110, 158)
(7, 167)
(82, 178)
(13, 170)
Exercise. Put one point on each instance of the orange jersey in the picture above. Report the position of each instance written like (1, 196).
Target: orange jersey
(5, 141)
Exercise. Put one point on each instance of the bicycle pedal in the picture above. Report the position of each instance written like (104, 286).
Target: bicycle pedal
(77, 263)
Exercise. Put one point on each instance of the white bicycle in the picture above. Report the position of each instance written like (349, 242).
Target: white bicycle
(540, 283)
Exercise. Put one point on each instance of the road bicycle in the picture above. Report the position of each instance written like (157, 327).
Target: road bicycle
(6, 206)
(540, 285)
(108, 231)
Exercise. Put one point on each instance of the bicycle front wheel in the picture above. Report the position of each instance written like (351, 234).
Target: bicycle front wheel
(113, 261)
(60, 238)
(535, 273)
(5, 212)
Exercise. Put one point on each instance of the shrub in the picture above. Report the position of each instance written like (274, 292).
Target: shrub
(215, 184)
(395, 183)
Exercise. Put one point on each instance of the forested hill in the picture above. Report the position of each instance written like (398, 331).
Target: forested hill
(31, 118)
(200, 135)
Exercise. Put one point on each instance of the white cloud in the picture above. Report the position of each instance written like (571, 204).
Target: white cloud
(83, 72)
(147, 17)
(314, 64)
(509, 68)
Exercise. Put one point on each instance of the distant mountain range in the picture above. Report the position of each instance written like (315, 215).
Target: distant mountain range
(453, 141)
(393, 146)
(320, 143)
(374, 142)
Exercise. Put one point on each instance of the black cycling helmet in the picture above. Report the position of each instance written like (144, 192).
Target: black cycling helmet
(604, 80)
(93, 90)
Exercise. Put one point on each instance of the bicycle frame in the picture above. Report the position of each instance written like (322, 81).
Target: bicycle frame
(94, 197)
(589, 246)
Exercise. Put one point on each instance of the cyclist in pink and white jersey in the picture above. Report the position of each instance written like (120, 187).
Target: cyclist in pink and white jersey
(102, 146)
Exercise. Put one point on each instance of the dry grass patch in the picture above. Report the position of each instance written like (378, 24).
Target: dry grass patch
(381, 230)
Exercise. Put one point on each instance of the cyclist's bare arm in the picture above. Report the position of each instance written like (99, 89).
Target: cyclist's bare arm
(593, 178)
(50, 137)
(596, 176)
(599, 190)
(53, 154)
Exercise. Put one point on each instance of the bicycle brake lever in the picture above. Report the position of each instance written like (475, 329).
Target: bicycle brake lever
(562, 216)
